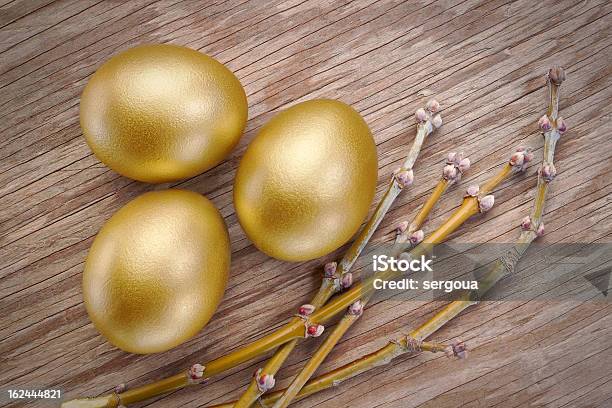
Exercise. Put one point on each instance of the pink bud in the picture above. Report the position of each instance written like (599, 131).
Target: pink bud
(451, 158)
(517, 159)
(464, 165)
(196, 371)
(540, 230)
(404, 178)
(315, 330)
(356, 309)
(449, 172)
(402, 227)
(347, 280)
(433, 106)
(548, 172)
(420, 115)
(119, 388)
(526, 223)
(437, 121)
(416, 237)
(486, 203)
(556, 75)
(306, 310)
(265, 382)
(544, 123)
(472, 191)
(561, 126)
(330, 269)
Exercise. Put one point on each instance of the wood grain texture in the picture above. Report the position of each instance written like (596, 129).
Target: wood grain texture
(484, 61)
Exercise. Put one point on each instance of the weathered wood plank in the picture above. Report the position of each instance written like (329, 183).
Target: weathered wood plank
(483, 60)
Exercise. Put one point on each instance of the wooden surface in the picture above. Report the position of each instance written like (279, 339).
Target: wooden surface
(484, 61)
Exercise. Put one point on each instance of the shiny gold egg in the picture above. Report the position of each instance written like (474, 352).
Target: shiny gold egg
(159, 113)
(306, 181)
(157, 271)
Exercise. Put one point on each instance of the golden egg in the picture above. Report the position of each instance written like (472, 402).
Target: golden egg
(159, 113)
(306, 181)
(157, 270)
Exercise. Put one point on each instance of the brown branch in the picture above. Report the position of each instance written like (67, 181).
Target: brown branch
(382, 356)
(480, 202)
(532, 227)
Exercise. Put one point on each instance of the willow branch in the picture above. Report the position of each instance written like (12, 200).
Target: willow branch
(532, 227)
(552, 127)
(382, 356)
(480, 201)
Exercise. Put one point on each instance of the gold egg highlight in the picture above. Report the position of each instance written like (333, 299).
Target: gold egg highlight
(157, 271)
(159, 113)
(306, 181)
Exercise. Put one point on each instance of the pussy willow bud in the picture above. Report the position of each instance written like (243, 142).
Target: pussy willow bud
(548, 172)
(404, 177)
(520, 158)
(264, 382)
(330, 269)
(306, 310)
(517, 159)
(486, 203)
(464, 165)
(196, 371)
(436, 121)
(449, 172)
(526, 223)
(556, 75)
(433, 106)
(416, 237)
(402, 227)
(561, 126)
(472, 191)
(315, 330)
(540, 230)
(347, 280)
(356, 309)
(420, 115)
(452, 157)
(544, 123)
